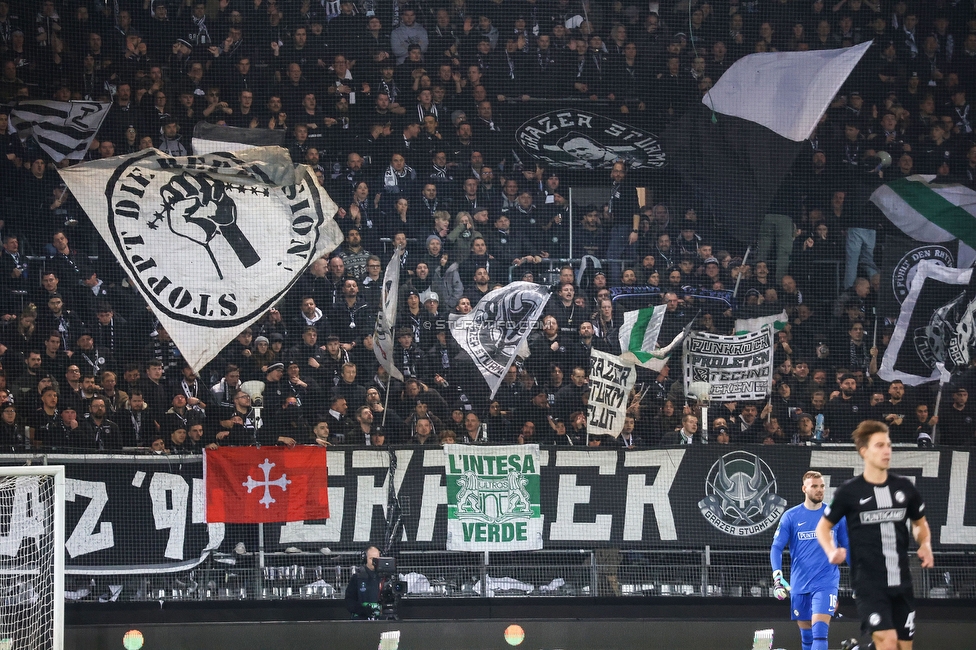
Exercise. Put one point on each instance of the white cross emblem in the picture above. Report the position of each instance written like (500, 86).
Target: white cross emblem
(282, 482)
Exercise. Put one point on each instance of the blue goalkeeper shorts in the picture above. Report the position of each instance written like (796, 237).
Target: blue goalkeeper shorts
(804, 606)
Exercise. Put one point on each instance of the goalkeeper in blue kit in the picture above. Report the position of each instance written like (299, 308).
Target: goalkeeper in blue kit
(813, 595)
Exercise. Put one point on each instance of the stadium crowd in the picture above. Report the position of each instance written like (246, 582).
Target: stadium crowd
(404, 112)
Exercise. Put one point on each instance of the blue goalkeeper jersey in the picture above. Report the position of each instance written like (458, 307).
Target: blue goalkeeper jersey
(810, 571)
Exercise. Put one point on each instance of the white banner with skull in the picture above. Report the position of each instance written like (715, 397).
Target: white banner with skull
(211, 242)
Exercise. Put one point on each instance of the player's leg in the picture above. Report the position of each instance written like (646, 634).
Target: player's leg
(800, 611)
(823, 607)
(806, 634)
(886, 640)
(903, 614)
(877, 620)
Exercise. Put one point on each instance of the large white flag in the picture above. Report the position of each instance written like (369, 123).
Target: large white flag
(211, 242)
(496, 328)
(386, 318)
(931, 213)
(62, 129)
(787, 92)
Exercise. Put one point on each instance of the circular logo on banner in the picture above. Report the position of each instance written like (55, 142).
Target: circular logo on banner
(740, 495)
(205, 247)
(904, 271)
(583, 140)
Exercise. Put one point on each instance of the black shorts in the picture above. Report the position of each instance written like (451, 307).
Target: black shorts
(889, 609)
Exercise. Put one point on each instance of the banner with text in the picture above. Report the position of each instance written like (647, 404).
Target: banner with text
(611, 381)
(145, 514)
(493, 499)
(738, 368)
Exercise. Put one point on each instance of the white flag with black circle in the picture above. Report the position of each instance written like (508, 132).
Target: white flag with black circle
(495, 330)
(211, 242)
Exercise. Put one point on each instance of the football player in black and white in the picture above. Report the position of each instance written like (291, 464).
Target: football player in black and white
(876, 505)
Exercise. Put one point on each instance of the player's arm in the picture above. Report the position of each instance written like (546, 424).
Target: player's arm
(923, 535)
(783, 534)
(832, 516)
(843, 541)
(780, 539)
(835, 555)
(920, 527)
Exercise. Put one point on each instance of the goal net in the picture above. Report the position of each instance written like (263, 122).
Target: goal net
(31, 558)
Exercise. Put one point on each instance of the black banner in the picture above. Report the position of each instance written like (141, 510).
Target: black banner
(577, 137)
(145, 514)
(901, 255)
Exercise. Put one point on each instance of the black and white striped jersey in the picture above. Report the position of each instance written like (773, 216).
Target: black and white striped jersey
(876, 525)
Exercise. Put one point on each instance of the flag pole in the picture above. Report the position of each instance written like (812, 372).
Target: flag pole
(386, 402)
(745, 258)
(260, 580)
(944, 377)
(874, 342)
(570, 222)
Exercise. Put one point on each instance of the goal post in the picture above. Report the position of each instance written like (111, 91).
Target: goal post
(32, 557)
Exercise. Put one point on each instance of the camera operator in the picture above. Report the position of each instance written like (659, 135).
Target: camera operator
(363, 590)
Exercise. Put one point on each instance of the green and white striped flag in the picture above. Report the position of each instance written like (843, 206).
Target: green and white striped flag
(931, 213)
(638, 334)
(638, 338)
(749, 325)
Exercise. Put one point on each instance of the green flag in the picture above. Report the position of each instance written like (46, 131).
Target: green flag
(493, 498)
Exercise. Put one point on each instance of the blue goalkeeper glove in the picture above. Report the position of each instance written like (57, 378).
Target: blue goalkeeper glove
(781, 588)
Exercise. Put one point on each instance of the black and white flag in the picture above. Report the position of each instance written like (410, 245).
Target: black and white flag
(494, 331)
(62, 129)
(383, 339)
(935, 325)
(211, 242)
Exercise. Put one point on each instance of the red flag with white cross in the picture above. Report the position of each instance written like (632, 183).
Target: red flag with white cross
(255, 485)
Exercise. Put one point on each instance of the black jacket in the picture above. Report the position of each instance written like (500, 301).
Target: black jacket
(363, 587)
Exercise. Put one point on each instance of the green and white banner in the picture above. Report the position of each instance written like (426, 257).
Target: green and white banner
(638, 338)
(930, 212)
(493, 498)
(746, 325)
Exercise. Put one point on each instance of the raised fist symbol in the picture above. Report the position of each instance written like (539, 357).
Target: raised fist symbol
(197, 207)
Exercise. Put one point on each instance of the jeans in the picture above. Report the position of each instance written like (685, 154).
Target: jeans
(776, 233)
(860, 252)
